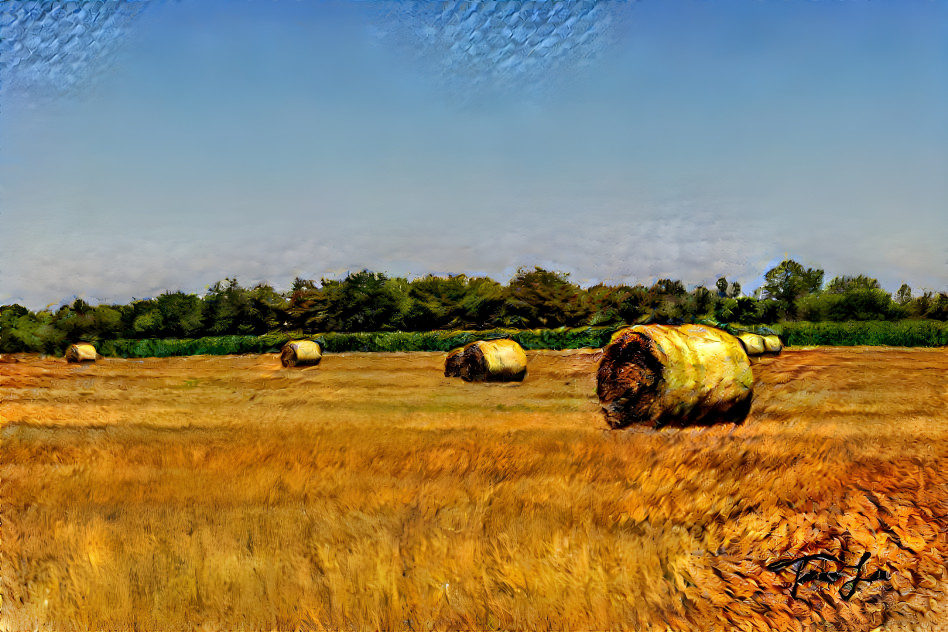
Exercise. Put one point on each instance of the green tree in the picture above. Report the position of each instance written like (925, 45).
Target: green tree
(787, 283)
(148, 322)
(76, 321)
(33, 332)
(699, 303)
(904, 296)
(181, 315)
(667, 301)
(935, 306)
(541, 298)
(107, 322)
(434, 302)
(483, 304)
(268, 310)
(366, 301)
(849, 298)
(10, 341)
(227, 309)
(844, 284)
(307, 306)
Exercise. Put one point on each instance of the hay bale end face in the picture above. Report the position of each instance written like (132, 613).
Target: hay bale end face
(661, 375)
(452, 364)
(752, 343)
(301, 353)
(487, 361)
(81, 352)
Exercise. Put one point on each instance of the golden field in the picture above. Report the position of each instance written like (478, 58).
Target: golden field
(370, 492)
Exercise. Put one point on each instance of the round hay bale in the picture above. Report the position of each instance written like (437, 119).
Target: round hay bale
(301, 353)
(773, 344)
(81, 352)
(685, 375)
(452, 363)
(493, 361)
(752, 343)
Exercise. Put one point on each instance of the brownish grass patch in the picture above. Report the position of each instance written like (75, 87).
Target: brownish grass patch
(372, 492)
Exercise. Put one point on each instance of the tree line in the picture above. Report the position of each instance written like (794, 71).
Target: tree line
(533, 299)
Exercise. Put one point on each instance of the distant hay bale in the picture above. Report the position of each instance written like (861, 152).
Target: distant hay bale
(487, 361)
(773, 344)
(81, 352)
(756, 345)
(300, 353)
(685, 375)
(452, 364)
(752, 343)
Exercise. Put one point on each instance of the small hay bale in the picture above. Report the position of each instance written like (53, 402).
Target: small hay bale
(81, 352)
(489, 361)
(452, 364)
(301, 353)
(773, 344)
(752, 343)
(686, 375)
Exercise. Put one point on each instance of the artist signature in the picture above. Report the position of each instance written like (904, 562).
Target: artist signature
(820, 574)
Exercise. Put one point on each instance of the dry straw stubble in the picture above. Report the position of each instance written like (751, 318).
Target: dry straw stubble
(228, 493)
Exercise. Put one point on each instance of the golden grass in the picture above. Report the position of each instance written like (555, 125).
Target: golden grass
(372, 492)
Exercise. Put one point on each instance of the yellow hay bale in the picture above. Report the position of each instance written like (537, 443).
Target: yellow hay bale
(301, 352)
(81, 352)
(452, 364)
(752, 343)
(660, 374)
(772, 344)
(490, 361)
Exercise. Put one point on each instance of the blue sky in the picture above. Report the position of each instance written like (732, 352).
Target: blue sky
(162, 145)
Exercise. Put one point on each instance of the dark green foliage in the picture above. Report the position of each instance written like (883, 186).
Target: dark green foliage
(845, 284)
(906, 333)
(365, 301)
(368, 310)
(738, 310)
(454, 302)
(10, 335)
(930, 305)
(215, 345)
(904, 296)
(336, 342)
(700, 302)
(667, 302)
(854, 303)
(616, 305)
(31, 332)
(540, 298)
(227, 309)
(182, 315)
(787, 283)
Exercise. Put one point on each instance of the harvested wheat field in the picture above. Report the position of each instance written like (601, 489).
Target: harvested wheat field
(371, 492)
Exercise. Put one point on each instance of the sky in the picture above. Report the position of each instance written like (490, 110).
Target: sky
(163, 145)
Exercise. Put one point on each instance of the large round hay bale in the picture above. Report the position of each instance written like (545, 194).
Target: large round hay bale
(81, 352)
(452, 364)
(772, 344)
(301, 352)
(752, 343)
(489, 361)
(686, 375)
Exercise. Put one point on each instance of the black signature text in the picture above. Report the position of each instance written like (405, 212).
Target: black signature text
(811, 568)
